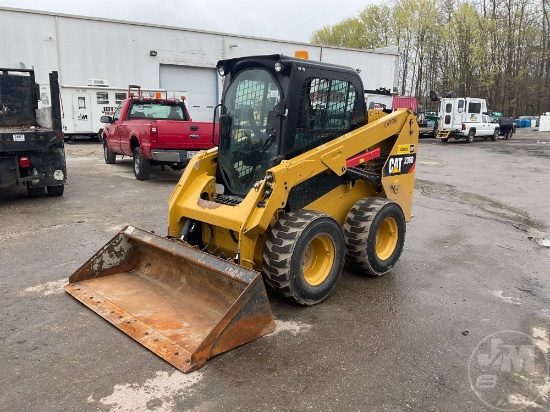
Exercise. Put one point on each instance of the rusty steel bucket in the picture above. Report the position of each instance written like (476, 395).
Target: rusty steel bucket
(183, 304)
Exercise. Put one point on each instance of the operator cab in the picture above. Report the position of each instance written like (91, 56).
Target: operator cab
(262, 123)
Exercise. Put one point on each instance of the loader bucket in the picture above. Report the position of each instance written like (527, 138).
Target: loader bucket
(186, 306)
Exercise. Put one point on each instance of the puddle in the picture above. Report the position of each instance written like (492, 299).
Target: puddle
(540, 241)
(432, 163)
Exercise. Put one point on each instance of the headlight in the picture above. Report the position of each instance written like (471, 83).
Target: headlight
(221, 70)
(278, 67)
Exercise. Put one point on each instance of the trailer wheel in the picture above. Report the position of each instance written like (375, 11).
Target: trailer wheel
(110, 157)
(35, 191)
(470, 137)
(495, 135)
(55, 190)
(374, 232)
(303, 256)
(444, 139)
(142, 167)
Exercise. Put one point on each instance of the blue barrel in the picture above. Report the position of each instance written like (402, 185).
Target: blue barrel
(526, 122)
(518, 122)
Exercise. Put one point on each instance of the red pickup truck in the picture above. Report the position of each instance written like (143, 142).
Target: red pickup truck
(155, 131)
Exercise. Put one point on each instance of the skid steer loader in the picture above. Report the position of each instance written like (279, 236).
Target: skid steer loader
(303, 181)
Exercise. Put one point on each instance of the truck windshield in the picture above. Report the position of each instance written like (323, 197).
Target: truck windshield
(157, 111)
(246, 153)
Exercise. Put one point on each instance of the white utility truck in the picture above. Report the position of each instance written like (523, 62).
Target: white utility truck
(465, 118)
(83, 106)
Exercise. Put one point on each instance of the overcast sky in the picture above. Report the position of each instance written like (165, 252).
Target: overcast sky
(293, 20)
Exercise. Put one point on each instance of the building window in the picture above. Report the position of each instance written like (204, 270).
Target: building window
(102, 98)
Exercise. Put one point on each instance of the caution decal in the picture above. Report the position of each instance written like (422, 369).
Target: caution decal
(400, 165)
(405, 148)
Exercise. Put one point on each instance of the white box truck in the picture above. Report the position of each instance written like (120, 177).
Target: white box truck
(83, 106)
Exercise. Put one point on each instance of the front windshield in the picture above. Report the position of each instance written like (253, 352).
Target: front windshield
(246, 154)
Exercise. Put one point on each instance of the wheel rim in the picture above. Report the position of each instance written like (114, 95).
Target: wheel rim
(137, 164)
(105, 151)
(318, 259)
(386, 238)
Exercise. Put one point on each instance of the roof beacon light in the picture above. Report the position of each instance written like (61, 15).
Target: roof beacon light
(301, 54)
(158, 95)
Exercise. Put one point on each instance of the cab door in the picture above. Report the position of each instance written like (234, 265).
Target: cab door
(114, 130)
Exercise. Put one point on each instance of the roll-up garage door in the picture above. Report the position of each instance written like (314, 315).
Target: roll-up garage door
(197, 84)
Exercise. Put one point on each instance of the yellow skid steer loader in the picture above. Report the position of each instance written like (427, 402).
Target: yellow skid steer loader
(303, 181)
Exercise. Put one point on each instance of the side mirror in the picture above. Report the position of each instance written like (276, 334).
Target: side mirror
(106, 119)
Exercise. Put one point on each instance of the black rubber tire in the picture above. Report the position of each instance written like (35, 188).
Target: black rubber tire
(35, 191)
(110, 157)
(495, 135)
(291, 241)
(55, 190)
(444, 139)
(360, 233)
(100, 135)
(142, 167)
(470, 137)
(506, 136)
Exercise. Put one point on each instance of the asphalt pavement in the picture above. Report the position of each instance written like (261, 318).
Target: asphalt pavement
(461, 323)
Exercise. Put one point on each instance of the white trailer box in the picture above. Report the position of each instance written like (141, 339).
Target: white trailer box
(83, 106)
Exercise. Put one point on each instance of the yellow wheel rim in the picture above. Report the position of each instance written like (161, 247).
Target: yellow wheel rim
(386, 238)
(317, 260)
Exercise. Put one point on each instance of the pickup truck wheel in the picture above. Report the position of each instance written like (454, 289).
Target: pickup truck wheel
(110, 157)
(142, 167)
(495, 135)
(35, 191)
(470, 137)
(55, 190)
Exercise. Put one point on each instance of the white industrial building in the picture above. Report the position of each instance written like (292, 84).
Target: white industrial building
(181, 61)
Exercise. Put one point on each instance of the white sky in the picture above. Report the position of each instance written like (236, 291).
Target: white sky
(293, 20)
